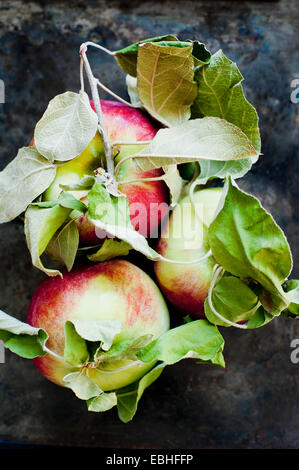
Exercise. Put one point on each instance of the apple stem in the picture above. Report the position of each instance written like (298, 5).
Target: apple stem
(96, 99)
(52, 353)
(81, 74)
(128, 366)
(135, 142)
(101, 85)
(219, 271)
(141, 180)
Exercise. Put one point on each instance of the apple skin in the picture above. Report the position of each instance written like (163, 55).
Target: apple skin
(112, 290)
(122, 123)
(186, 286)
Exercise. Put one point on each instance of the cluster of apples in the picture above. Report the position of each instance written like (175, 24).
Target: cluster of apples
(117, 289)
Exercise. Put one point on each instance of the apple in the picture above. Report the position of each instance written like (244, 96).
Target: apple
(148, 201)
(108, 291)
(184, 238)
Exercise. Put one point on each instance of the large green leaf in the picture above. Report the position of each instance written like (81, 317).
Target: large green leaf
(220, 94)
(196, 339)
(66, 128)
(198, 139)
(246, 242)
(40, 226)
(128, 397)
(165, 81)
(21, 338)
(23, 180)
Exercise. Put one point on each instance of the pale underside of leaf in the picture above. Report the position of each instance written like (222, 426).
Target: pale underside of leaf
(209, 138)
(23, 180)
(66, 128)
(15, 326)
(82, 385)
(103, 331)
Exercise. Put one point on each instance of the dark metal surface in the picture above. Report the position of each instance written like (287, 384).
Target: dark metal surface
(254, 402)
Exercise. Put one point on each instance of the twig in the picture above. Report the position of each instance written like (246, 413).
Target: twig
(96, 99)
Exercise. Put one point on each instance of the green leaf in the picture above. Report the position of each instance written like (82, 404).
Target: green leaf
(165, 82)
(291, 287)
(111, 214)
(103, 331)
(233, 299)
(82, 385)
(75, 347)
(68, 201)
(127, 349)
(128, 397)
(210, 169)
(220, 94)
(21, 338)
(23, 180)
(260, 318)
(127, 57)
(110, 249)
(66, 128)
(196, 339)
(40, 227)
(209, 138)
(201, 56)
(63, 246)
(84, 184)
(174, 182)
(103, 402)
(246, 241)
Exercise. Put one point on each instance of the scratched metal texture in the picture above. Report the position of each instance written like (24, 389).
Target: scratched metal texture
(253, 403)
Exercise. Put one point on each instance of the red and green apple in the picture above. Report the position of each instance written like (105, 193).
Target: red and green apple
(114, 290)
(185, 238)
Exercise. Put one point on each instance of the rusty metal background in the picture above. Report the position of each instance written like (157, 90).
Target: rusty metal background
(253, 403)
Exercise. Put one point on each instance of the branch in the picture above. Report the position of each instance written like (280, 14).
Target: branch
(96, 99)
